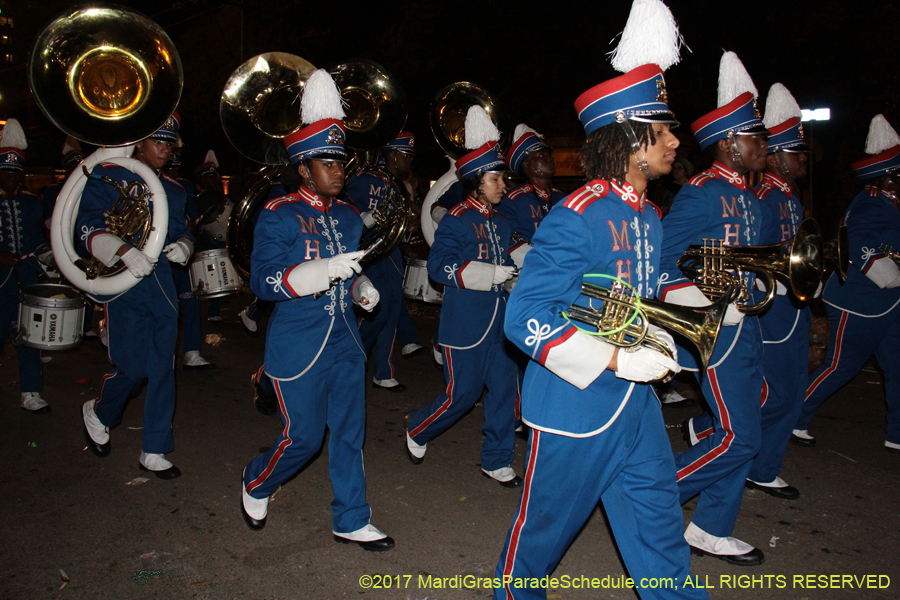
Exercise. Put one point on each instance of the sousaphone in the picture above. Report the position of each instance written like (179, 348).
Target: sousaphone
(108, 76)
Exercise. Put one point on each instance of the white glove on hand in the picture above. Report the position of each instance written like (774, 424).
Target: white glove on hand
(138, 263)
(732, 316)
(665, 337)
(368, 295)
(368, 219)
(643, 364)
(178, 252)
(502, 274)
(343, 266)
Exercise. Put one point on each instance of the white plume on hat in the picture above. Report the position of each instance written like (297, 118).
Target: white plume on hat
(780, 106)
(881, 136)
(734, 79)
(321, 99)
(522, 129)
(479, 128)
(71, 145)
(650, 36)
(13, 135)
(211, 158)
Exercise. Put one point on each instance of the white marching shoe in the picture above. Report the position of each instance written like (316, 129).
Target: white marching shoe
(33, 402)
(729, 549)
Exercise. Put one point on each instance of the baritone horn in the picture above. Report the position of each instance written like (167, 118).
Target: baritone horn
(108, 76)
(798, 262)
(624, 319)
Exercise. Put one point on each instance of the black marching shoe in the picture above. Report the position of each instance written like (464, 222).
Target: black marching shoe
(754, 558)
(254, 524)
(392, 385)
(93, 424)
(159, 466)
(801, 437)
(729, 549)
(505, 476)
(778, 489)
(361, 537)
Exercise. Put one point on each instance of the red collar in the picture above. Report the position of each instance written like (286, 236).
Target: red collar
(313, 199)
(540, 193)
(778, 182)
(477, 204)
(731, 176)
(630, 195)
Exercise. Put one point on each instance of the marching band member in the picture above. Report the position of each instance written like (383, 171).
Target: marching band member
(21, 242)
(597, 432)
(718, 204)
(306, 262)
(526, 205)
(142, 323)
(366, 191)
(785, 325)
(863, 312)
(470, 256)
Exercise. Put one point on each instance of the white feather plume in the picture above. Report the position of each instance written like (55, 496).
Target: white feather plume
(321, 99)
(881, 136)
(650, 36)
(479, 128)
(733, 79)
(13, 135)
(71, 145)
(780, 106)
(211, 158)
(522, 129)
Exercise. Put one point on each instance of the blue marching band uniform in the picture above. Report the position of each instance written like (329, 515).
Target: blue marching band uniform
(863, 312)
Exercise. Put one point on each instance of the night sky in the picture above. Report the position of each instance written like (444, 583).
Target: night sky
(534, 57)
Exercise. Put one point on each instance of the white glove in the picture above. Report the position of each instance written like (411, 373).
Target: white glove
(178, 252)
(643, 364)
(368, 295)
(138, 263)
(368, 219)
(732, 316)
(502, 274)
(510, 285)
(343, 266)
(665, 337)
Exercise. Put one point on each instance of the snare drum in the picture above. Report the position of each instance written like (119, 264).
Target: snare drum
(51, 316)
(417, 285)
(213, 275)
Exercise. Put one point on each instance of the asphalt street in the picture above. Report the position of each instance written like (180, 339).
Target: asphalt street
(77, 526)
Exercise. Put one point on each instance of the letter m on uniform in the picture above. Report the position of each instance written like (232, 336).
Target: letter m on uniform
(479, 231)
(730, 210)
(308, 227)
(619, 238)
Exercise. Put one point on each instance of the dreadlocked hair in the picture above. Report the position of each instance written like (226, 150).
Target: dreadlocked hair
(606, 154)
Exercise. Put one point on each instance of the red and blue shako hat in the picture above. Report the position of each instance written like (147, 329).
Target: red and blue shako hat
(321, 108)
(649, 44)
(12, 146)
(405, 143)
(782, 120)
(525, 141)
(482, 138)
(209, 166)
(737, 113)
(883, 146)
(169, 130)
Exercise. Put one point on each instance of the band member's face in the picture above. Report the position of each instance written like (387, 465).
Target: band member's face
(492, 187)
(661, 155)
(154, 153)
(795, 163)
(326, 176)
(541, 164)
(10, 181)
(753, 151)
(399, 163)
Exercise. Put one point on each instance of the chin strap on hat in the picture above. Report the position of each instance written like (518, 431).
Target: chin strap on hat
(635, 145)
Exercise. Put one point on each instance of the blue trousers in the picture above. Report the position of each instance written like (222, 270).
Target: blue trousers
(406, 329)
(378, 330)
(467, 372)
(630, 468)
(29, 358)
(852, 339)
(717, 466)
(142, 325)
(331, 394)
(785, 331)
(190, 309)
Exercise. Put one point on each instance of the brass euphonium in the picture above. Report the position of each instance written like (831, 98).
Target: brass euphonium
(624, 320)
(714, 267)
